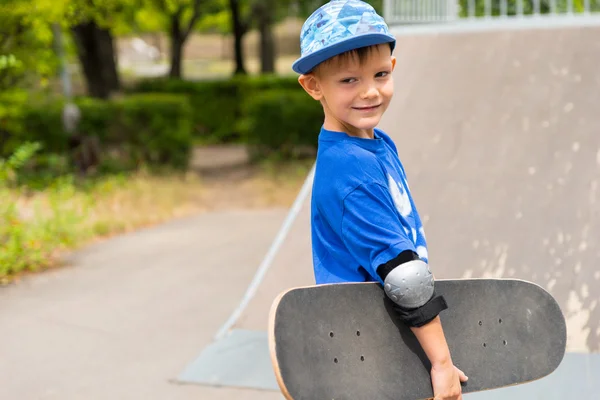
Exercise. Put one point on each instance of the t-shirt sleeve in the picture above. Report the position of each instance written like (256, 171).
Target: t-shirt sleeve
(371, 228)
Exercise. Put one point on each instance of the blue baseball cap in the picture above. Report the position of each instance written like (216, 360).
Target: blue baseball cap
(337, 27)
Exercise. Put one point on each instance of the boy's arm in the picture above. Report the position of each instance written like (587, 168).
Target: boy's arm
(424, 322)
(445, 377)
(371, 229)
(432, 340)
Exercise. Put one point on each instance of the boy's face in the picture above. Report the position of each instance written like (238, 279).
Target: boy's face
(354, 94)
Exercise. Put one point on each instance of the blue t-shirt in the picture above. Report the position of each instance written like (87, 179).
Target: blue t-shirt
(362, 213)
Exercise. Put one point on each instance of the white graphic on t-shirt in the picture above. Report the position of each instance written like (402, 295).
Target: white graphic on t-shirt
(400, 196)
(422, 252)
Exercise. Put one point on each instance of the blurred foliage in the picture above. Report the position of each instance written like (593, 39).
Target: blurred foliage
(144, 129)
(281, 123)
(105, 13)
(222, 97)
(26, 41)
(37, 223)
(10, 166)
(306, 7)
(28, 239)
(512, 6)
(151, 16)
(260, 111)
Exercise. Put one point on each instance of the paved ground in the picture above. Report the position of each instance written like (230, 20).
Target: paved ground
(132, 312)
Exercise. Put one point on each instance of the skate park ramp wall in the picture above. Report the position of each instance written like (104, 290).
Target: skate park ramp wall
(499, 132)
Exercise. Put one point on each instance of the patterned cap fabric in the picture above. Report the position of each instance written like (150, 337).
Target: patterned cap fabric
(337, 27)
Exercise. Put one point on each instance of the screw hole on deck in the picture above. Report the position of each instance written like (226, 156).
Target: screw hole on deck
(362, 358)
(330, 334)
(480, 323)
(357, 333)
(505, 342)
(484, 345)
(500, 321)
(335, 360)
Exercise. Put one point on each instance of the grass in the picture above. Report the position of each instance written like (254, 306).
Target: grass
(38, 227)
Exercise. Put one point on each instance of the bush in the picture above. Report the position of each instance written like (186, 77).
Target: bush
(218, 104)
(281, 122)
(156, 127)
(214, 105)
(152, 128)
(10, 166)
(27, 241)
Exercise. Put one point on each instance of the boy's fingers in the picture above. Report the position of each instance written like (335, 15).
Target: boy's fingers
(462, 376)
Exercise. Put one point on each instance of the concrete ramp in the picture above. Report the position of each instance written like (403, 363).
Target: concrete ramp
(292, 266)
(500, 134)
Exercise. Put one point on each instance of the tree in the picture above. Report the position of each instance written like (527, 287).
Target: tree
(91, 23)
(26, 55)
(182, 16)
(239, 27)
(264, 12)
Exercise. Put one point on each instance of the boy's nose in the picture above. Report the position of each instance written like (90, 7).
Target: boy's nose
(370, 92)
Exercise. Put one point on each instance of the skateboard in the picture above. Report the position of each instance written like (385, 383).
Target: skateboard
(343, 341)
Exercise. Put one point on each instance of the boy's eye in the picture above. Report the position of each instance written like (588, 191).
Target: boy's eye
(348, 80)
(382, 74)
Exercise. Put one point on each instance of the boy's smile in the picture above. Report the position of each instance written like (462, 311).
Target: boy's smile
(354, 91)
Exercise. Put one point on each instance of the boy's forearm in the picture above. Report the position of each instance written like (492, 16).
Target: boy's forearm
(432, 340)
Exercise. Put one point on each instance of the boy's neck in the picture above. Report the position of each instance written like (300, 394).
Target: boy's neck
(338, 126)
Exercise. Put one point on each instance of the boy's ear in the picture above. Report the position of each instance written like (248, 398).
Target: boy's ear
(310, 84)
(393, 63)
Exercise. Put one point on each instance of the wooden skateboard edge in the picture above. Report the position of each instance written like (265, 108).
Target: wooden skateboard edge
(273, 345)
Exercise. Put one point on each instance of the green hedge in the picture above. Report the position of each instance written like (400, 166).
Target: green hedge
(144, 128)
(218, 104)
(156, 127)
(282, 122)
(158, 121)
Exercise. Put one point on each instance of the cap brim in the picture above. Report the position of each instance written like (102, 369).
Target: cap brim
(307, 63)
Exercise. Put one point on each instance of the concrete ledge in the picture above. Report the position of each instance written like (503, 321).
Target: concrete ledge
(240, 359)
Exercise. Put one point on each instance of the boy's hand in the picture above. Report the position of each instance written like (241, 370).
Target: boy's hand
(446, 381)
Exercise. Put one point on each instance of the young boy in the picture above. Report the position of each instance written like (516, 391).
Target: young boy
(365, 226)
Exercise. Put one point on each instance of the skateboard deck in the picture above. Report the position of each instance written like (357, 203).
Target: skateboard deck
(343, 341)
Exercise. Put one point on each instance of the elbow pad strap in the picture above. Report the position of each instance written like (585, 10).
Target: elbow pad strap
(422, 315)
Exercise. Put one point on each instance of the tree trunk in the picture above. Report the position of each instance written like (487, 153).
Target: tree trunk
(176, 56)
(264, 15)
(106, 51)
(267, 49)
(95, 49)
(177, 42)
(239, 30)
